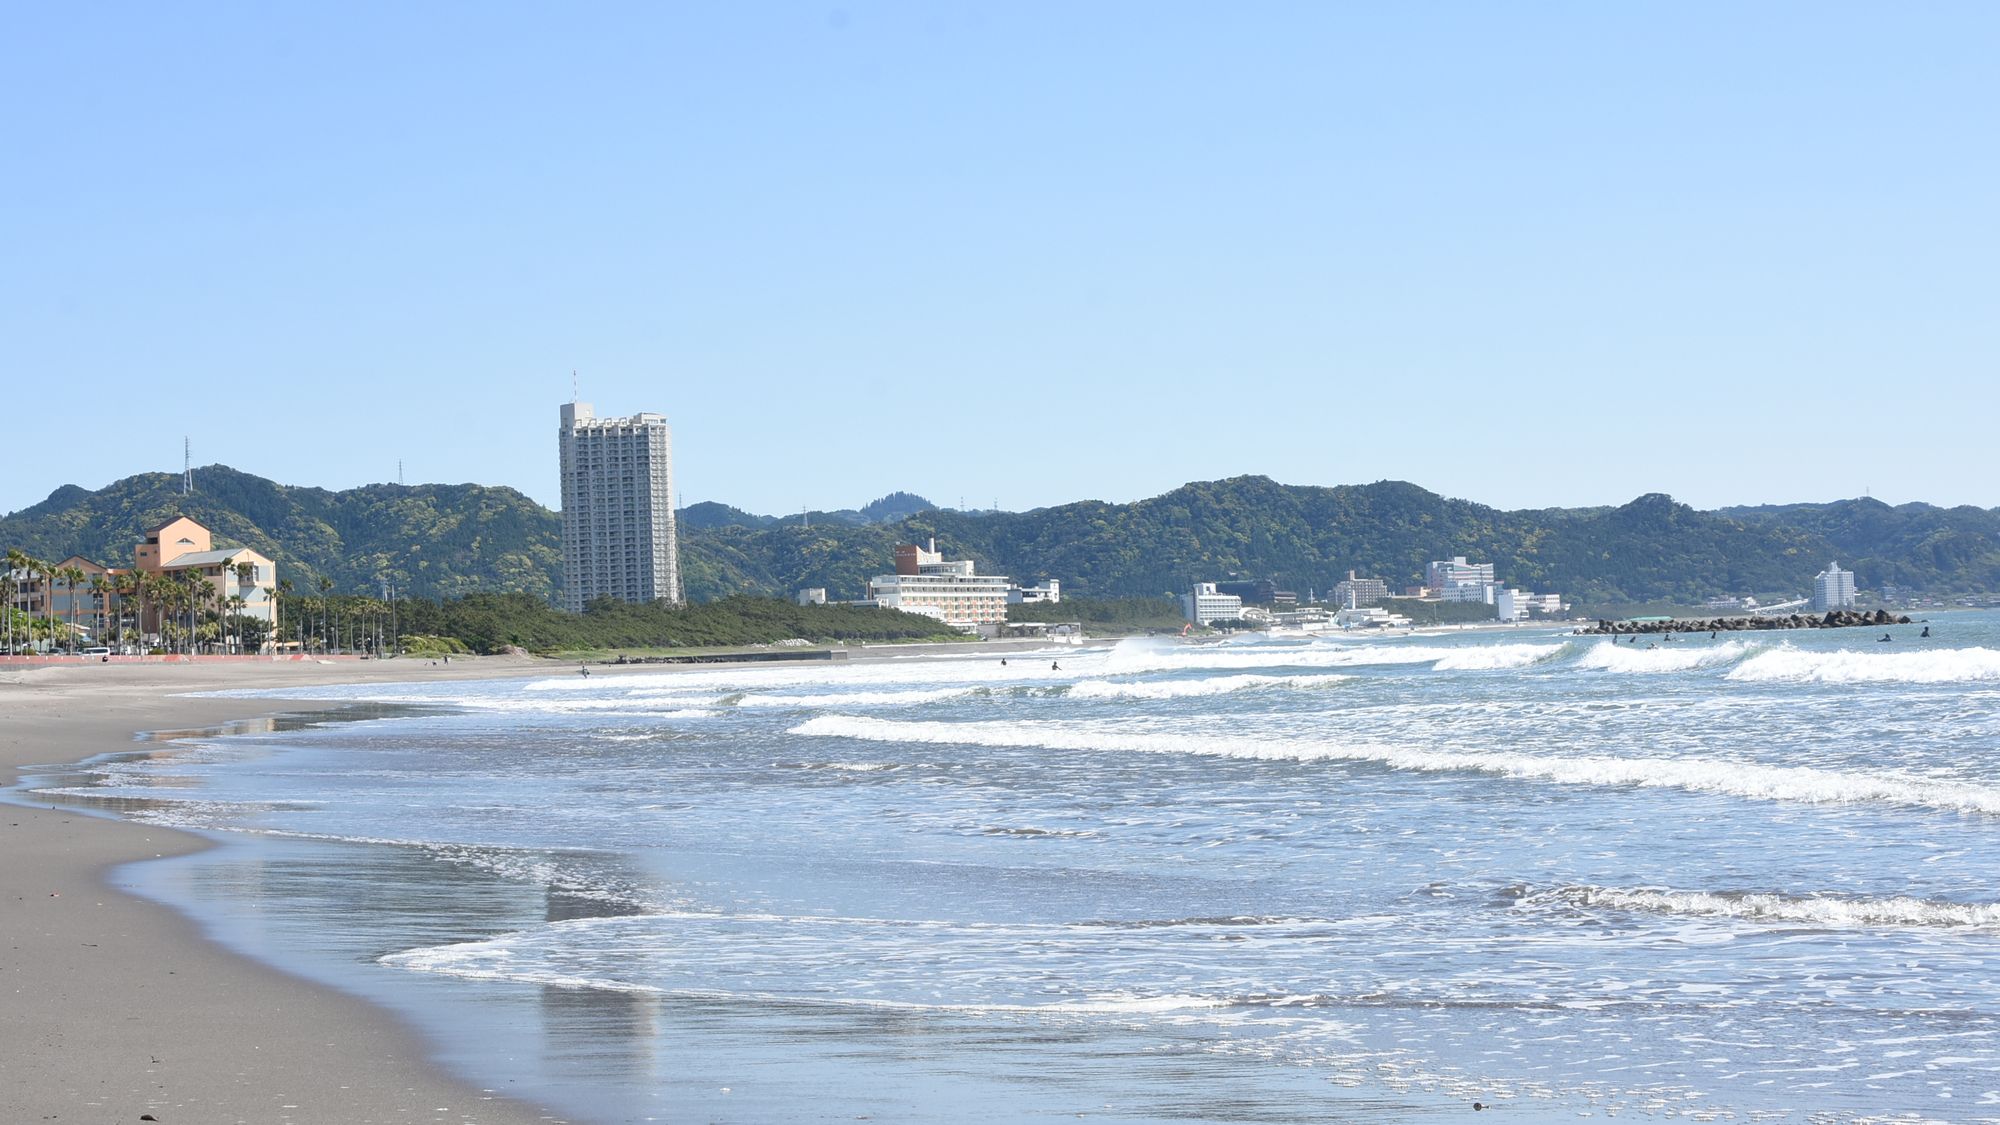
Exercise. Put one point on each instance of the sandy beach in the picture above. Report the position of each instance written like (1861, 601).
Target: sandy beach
(119, 1008)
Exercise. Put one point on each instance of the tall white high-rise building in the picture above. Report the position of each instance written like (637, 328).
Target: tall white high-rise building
(617, 508)
(1833, 588)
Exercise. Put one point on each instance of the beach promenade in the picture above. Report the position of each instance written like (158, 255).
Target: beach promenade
(119, 1008)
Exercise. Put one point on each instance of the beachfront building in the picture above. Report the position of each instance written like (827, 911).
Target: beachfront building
(618, 533)
(88, 602)
(1352, 591)
(1205, 603)
(952, 591)
(74, 598)
(1443, 574)
(1833, 588)
(241, 581)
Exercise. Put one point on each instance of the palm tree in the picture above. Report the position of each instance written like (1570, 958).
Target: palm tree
(196, 587)
(271, 635)
(72, 577)
(325, 604)
(236, 602)
(17, 563)
(156, 599)
(246, 573)
(127, 585)
(284, 593)
(48, 571)
(100, 589)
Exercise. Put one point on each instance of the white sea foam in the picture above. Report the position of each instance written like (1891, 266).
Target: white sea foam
(1182, 689)
(1697, 775)
(1938, 666)
(1835, 911)
(1485, 658)
(1183, 658)
(860, 698)
(1610, 656)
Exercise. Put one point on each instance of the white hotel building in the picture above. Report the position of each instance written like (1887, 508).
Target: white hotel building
(1204, 604)
(953, 592)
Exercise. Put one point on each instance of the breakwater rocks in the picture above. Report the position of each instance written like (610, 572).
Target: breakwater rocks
(1834, 619)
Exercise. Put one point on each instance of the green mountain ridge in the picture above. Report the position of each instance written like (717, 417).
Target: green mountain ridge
(453, 540)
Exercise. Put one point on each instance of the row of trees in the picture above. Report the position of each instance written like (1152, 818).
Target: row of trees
(193, 614)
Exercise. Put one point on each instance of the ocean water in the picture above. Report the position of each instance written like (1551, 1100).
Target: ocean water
(1750, 878)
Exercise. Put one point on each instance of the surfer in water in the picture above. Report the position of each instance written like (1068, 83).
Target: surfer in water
(1885, 637)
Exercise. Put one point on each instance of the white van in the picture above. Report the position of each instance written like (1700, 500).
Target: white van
(100, 650)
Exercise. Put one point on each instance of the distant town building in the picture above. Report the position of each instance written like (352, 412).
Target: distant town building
(1049, 591)
(951, 591)
(618, 529)
(1359, 591)
(1510, 604)
(1547, 605)
(1455, 571)
(1833, 588)
(1205, 603)
(812, 595)
(1468, 592)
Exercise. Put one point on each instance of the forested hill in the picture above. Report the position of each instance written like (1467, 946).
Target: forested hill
(434, 540)
(453, 539)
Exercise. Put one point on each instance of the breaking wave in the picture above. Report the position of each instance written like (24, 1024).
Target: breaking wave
(1182, 689)
(1791, 665)
(1695, 775)
(1612, 657)
(1487, 658)
(860, 698)
(1182, 658)
(1838, 911)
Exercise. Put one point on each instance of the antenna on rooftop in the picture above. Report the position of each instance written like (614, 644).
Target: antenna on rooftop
(574, 393)
(187, 466)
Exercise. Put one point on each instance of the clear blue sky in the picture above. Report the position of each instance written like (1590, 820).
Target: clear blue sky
(1530, 255)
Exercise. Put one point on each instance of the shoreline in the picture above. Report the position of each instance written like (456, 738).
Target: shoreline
(120, 1005)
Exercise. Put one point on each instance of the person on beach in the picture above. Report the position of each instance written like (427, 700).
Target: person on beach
(585, 669)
